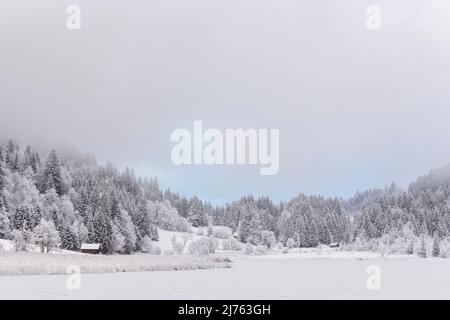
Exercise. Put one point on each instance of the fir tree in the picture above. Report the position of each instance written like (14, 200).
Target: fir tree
(2, 172)
(410, 249)
(51, 178)
(423, 248)
(102, 232)
(196, 215)
(436, 246)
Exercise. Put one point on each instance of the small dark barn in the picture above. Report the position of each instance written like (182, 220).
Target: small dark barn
(91, 248)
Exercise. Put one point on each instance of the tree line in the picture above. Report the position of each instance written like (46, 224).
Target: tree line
(63, 202)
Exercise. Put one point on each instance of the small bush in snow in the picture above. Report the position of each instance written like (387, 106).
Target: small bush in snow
(279, 245)
(221, 232)
(186, 237)
(22, 239)
(168, 252)
(235, 245)
(261, 250)
(290, 243)
(200, 232)
(202, 246)
(285, 250)
(249, 249)
(231, 244)
(268, 238)
(155, 250)
(226, 245)
(445, 248)
(209, 230)
(178, 248)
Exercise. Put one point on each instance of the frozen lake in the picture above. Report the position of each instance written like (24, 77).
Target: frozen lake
(252, 278)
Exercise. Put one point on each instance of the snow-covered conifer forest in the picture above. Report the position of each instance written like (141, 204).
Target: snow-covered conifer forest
(53, 201)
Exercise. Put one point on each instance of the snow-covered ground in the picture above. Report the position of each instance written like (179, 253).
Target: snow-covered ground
(7, 245)
(290, 277)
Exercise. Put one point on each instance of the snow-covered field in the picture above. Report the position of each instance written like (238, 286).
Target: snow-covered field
(271, 277)
(30, 263)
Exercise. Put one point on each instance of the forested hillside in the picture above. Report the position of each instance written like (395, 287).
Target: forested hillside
(72, 199)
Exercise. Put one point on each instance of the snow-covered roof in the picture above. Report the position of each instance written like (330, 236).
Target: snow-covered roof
(90, 246)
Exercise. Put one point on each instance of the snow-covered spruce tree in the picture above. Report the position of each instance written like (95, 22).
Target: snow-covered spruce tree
(410, 249)
(2, 171)
(5, 229)
(144, 224)
(124, 229)
(436, 245)
(22, 219)
(423, 247)
(102, 232)
(27, 159)
(11, 155)
(46, 236)
(51, 177)
(290, 243)
(196, 214)
(68, 238)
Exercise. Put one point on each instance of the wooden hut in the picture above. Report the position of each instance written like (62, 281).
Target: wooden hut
(91, 248)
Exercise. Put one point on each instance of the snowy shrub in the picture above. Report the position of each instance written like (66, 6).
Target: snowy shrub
(202, 246)
(290, 243)
(268, 238)
(319, 249)
(1, 247)
(231, 244)
(200, 232)
(248, 249)
(285, 250)
(261, 250)
(155, 250)
(186, 237)
(445, 248)
(209, 230)
(221, 232)
(226, 245)
(279, 245)
(168, 252)
(22, 239)
(178, 248)
(235, 244)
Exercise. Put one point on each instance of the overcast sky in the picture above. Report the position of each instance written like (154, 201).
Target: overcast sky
(356, 108)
